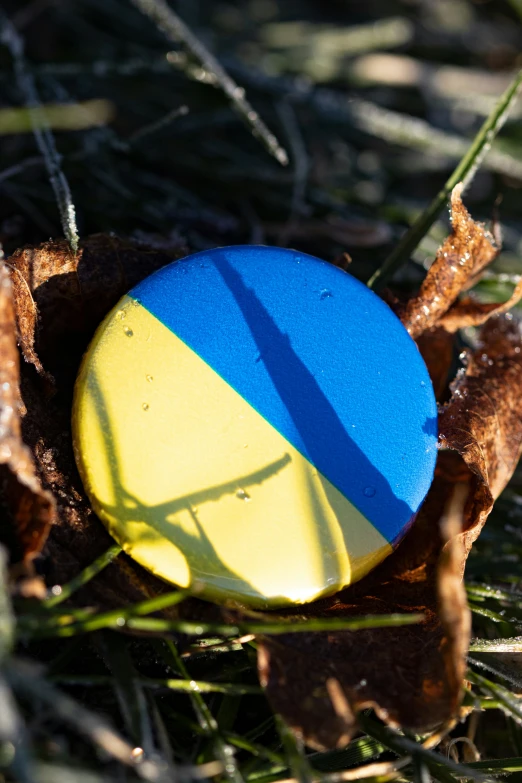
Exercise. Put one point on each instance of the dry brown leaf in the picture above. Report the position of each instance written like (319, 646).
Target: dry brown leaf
(437, 347)
(412, 675)
(483, 421)
(458, 264)
(61, 297)
(32, 509)
(469, 312)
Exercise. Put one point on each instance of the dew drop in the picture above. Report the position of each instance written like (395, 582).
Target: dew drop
(325, 293)
(242, 495)
(423, 384)
(149, 378)
(128, 331)
(369, 492)
(145, 406)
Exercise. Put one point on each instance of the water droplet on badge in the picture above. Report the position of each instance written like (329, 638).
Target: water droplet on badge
(423, 384)
(369, 492)
(149, 378)
(242, 495)
(128, 331)
(145, 406)
(325, 293)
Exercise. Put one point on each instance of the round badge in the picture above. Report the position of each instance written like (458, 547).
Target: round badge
(255, 424)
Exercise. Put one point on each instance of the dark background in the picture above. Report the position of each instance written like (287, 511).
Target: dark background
(344, 86)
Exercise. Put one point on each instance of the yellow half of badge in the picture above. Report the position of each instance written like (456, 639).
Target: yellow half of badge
(196, 485)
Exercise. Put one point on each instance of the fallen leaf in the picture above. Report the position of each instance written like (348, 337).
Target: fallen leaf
(469, 312)
(437, 347)
(459, 263)
(483, 421)
(31, 508)
(61, 297)
(452, 604)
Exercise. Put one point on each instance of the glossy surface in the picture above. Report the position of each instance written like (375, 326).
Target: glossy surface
(256, 424)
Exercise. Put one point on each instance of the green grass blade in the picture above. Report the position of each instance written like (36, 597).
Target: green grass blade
(507, 700)
(297, 761)
(183, 686)
(129, 690)
(464, 172)
(498, 766)
(497, 645)
(43, 135)
(130, 619)
(223, 751)
(62, 593)
(25, 678)
(442, 768)
(360, 751)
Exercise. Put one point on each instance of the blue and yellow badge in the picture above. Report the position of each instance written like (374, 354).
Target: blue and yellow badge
(255, 424)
